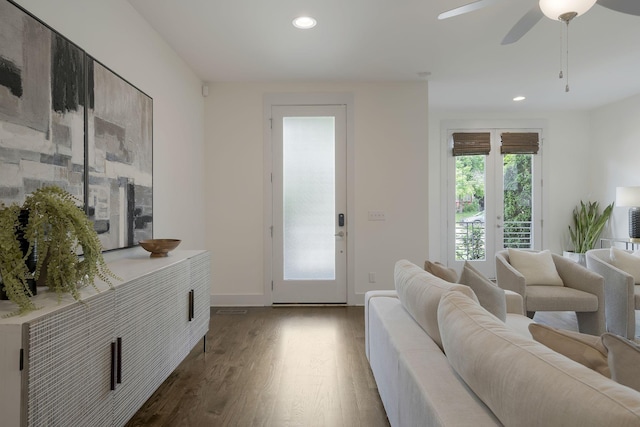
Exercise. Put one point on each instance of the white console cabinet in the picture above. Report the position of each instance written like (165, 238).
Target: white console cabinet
(95, 362)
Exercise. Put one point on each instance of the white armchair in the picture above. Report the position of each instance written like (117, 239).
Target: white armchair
(622, 295)
(582, 291)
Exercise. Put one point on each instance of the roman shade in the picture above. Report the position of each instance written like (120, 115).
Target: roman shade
(519, 143)
(471, 144)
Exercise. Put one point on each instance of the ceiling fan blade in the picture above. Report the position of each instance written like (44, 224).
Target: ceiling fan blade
(631, 7)
(522, 27)
(476, 5)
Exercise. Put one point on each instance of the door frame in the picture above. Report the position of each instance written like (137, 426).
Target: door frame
(306, 99)
(489, 125)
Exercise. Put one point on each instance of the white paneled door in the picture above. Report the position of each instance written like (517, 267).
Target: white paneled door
(309, 204)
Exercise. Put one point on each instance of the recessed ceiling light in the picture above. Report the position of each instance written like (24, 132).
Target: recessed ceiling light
(304, 22)
(519, 98)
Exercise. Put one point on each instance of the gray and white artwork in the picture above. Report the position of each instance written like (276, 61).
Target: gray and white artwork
(68, 120)
(41, 108)
(119, 159)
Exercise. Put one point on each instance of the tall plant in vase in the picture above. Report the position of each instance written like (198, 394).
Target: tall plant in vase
(588, 223)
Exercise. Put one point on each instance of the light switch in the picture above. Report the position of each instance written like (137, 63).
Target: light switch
(377, 216)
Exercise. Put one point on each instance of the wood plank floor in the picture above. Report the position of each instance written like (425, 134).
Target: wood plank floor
(273, 366)
(280, 366)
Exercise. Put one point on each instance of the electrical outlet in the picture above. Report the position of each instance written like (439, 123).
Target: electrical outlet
(377, 216)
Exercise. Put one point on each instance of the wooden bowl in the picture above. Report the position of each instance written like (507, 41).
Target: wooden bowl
(159, 247)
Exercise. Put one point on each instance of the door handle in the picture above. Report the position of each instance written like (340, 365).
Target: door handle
(339, 234)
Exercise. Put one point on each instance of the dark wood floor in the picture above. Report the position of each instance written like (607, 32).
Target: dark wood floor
(280, 366)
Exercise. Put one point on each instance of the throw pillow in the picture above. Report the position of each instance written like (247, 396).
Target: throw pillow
(537, 268)
(490, 296)
(627, 262)
(442, 271)
(624, 360)
(585, 349)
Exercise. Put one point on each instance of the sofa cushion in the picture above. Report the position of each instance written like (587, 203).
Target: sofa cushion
(624, 360)
(537, 268)
(490, 296)
(420, 293)
(627, 262)
(442, 271)
(523, 382)
(585, 349)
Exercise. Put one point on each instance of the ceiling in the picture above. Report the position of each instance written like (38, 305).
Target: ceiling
(395, 40)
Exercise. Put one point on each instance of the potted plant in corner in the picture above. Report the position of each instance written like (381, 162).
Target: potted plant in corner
(588, 223)
(57, 232)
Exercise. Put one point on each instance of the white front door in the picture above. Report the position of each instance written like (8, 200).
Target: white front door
(309, 204)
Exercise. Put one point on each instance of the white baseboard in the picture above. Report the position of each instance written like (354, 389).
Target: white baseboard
(245, 300)
(256, 300)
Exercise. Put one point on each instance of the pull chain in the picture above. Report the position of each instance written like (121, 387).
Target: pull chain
(566, 88)
(560, 75)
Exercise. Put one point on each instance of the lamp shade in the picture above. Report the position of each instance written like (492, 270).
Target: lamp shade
(628, 196)
(554, 8)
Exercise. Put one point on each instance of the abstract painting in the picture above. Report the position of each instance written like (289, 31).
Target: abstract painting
(120, 163)
(41, 108)
(68, 120)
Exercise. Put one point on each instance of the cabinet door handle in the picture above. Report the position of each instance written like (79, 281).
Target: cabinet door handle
(113, 366)
(119, 358)
(191, 305)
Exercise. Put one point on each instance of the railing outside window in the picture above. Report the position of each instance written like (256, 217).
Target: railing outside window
(470, 238)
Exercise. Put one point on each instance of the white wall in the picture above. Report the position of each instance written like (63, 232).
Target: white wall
(615, 156)
(565, 170)
(390, 175)
(114, 33)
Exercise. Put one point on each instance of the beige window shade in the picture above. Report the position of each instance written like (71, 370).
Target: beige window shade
(519, 143)
(471, 143)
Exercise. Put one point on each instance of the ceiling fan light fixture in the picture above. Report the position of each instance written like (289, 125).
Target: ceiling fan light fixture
(565, 10)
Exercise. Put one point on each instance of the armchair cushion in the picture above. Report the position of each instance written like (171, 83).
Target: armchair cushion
(624, 360)
(560, 298)
(627, 262)
(585, 349)
(442, 271)
(490, 296)
(537, 268)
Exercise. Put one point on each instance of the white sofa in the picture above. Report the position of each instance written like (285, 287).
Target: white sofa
(490, 374)
(621, 294)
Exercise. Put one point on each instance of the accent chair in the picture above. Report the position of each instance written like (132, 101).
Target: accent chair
(576, 289)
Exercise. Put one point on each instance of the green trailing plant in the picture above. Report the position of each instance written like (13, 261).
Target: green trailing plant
(13, 268)
(588, 223)
(58, 231)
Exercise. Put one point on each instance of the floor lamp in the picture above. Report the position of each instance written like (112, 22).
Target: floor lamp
(630, 197)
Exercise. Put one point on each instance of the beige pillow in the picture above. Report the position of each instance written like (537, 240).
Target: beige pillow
(420, 293)
(624, 360)
(490, 296)
(442, 271)
(587, 350)
(537, 268)
(627, 262)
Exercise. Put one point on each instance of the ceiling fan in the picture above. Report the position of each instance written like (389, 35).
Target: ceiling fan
(563, 10)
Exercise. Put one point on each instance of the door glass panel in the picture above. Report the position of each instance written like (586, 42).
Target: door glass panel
(309, 198)
(470, 238)
(518, 194)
